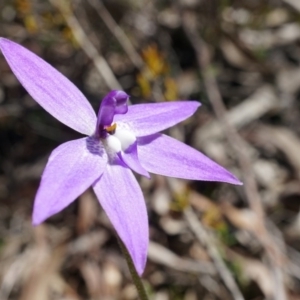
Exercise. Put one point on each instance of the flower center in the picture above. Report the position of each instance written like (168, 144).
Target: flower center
(111, 129)
(117, 139)
(119, 142)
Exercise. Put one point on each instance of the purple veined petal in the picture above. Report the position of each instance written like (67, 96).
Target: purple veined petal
(52, 90)
(130, 158)
(122, 200)
(161, 154)
(72, 168)
(146, 119)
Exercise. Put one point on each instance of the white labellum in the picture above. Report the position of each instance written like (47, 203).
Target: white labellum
(121, 140)
(125, 137)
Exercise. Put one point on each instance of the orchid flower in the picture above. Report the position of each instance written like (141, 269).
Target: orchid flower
(121, 139)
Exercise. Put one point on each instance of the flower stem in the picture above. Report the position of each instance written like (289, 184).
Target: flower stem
(135, 276)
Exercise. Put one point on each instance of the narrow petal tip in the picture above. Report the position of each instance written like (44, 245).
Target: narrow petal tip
(196, 103)
(4, 44)
(238, 182)
(2, 39)
(223, 175)
(140, 268)
(37, 219)
(232, 179)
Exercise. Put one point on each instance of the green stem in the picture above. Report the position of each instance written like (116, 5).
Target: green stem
(135, 276)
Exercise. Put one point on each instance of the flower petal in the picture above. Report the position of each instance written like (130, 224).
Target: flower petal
(71, 169)
(130, 158)
(164, 155)
(53, 91)
(123, 202)
(146, 119)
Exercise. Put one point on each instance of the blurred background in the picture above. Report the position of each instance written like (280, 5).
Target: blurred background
(241, 60)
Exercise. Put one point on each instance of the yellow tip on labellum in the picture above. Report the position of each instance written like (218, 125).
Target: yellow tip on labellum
(111, 129)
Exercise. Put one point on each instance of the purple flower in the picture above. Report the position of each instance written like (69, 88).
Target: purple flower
(122, 138)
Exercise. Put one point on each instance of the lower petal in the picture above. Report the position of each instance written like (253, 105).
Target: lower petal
(161, 154)
(123, 201)
(72, 168)
(130, 158)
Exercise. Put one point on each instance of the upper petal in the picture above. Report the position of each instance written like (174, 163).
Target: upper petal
(164, 155)
(53, 91)
(71, 169)
(146, 119)
(123, 202)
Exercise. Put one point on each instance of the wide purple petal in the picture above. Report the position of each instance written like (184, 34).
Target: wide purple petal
(123, 202)
(71, 169)
(146, 119)
(161, 154)
(53, 91)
